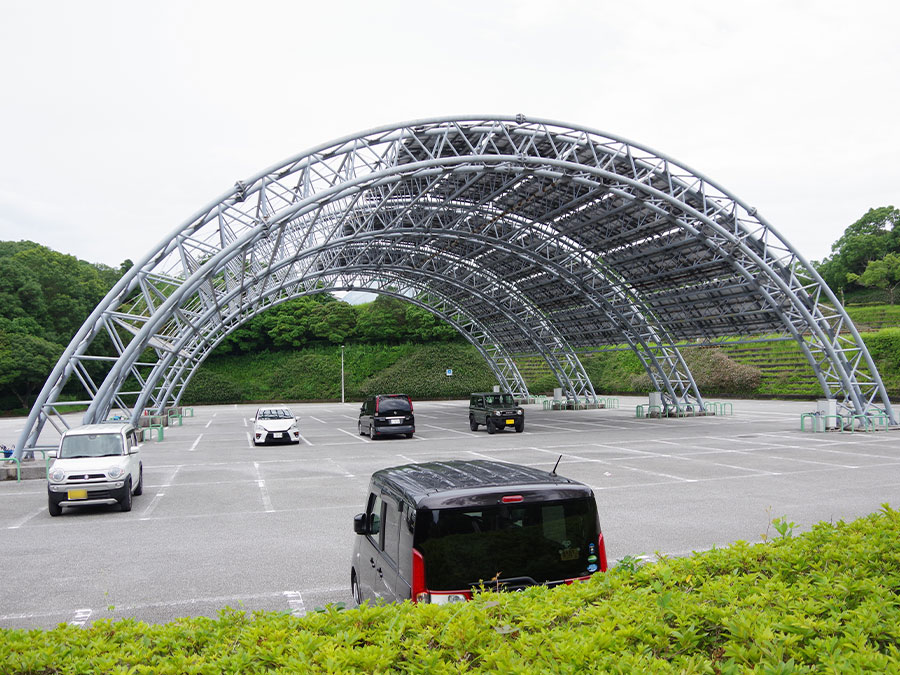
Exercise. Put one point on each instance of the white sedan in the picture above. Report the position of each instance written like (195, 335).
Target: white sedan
(275, 425)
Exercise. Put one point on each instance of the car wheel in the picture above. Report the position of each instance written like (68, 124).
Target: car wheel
(473, 425)
(139, 490)
(491, 429)
(520, 427)
(359, 428)
(354, 589)
(409, 435)
(54, 508)
(125, 501)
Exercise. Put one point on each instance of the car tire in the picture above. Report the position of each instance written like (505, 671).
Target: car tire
(354, 589)
(473, 425)
(53, 507)
(409, 435)
(359, 428)
(491, 429)
(139, 490)
(125, 501)
(520, 427)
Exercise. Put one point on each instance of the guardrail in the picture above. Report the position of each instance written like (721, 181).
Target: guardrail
(720, 408)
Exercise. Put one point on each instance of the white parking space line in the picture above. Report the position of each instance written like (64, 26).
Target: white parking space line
(81, 617)
(549, 426)
(194, 446)
(295, 602)
(249, 440)
(159, 494)
(356, 436)
(304, 439)
(244, 420)
(455, 431)
(624, 466)
(264, 491)
(318, 420)
(19, 523)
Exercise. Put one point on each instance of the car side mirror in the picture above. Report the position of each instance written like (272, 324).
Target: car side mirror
(359, 524)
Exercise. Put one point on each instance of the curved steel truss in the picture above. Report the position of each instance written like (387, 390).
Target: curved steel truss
(528, 236)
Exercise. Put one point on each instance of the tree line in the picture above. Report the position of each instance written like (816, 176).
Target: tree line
(45, 297)
(866, 256)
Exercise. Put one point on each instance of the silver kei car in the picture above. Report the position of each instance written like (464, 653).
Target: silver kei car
(96, 464)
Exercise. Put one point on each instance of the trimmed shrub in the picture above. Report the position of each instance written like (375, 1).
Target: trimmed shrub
(824, 601)
(207, 386)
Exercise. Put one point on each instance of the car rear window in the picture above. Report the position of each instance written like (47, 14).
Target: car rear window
(393, 404)
(523, 543)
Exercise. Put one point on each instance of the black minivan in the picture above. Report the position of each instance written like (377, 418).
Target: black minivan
(387, 414)
(436, 532)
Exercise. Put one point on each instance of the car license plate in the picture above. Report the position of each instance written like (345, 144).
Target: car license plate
(510, 421)
(396, 420)
(276, 434)
(77, 494)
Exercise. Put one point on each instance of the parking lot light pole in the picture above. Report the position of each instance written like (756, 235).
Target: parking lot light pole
(342, 373)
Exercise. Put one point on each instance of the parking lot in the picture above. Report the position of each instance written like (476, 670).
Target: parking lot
(222, 523)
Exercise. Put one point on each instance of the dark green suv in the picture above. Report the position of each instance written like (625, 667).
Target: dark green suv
(495, 411)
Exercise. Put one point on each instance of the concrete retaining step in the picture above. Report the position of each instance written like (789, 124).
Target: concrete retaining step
(31, 470)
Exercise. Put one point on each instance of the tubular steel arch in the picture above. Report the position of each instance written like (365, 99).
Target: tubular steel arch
(528, 236)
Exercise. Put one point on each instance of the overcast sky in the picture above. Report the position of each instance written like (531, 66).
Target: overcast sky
(120, 119)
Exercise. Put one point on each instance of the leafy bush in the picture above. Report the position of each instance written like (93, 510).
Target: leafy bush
(207, 386)
(822, 601)
(423, 373)
(716, 374)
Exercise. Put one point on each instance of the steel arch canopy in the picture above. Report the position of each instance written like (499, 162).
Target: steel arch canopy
(528, 236)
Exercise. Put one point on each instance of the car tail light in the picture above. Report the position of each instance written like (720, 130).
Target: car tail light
(419, 591)
(601, 552)
(410, 403)
(512, 499)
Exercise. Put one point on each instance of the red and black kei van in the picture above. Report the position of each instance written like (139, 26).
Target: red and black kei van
(436, 532)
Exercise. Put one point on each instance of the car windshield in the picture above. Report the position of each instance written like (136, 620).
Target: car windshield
(275, 414)
(499, 399)
(91, 445)
(393, 404)
(521, 543)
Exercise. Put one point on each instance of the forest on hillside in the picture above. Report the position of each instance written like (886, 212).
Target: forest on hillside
(45, 297)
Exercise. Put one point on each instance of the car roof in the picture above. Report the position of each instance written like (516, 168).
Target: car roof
(87, 429)
(490, 393)
(451, 483)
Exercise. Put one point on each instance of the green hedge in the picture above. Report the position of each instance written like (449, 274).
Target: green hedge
(823, 601)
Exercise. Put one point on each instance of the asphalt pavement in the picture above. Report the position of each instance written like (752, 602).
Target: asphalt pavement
(224, 524)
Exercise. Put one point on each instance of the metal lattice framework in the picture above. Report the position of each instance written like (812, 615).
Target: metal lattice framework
(528, 236)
